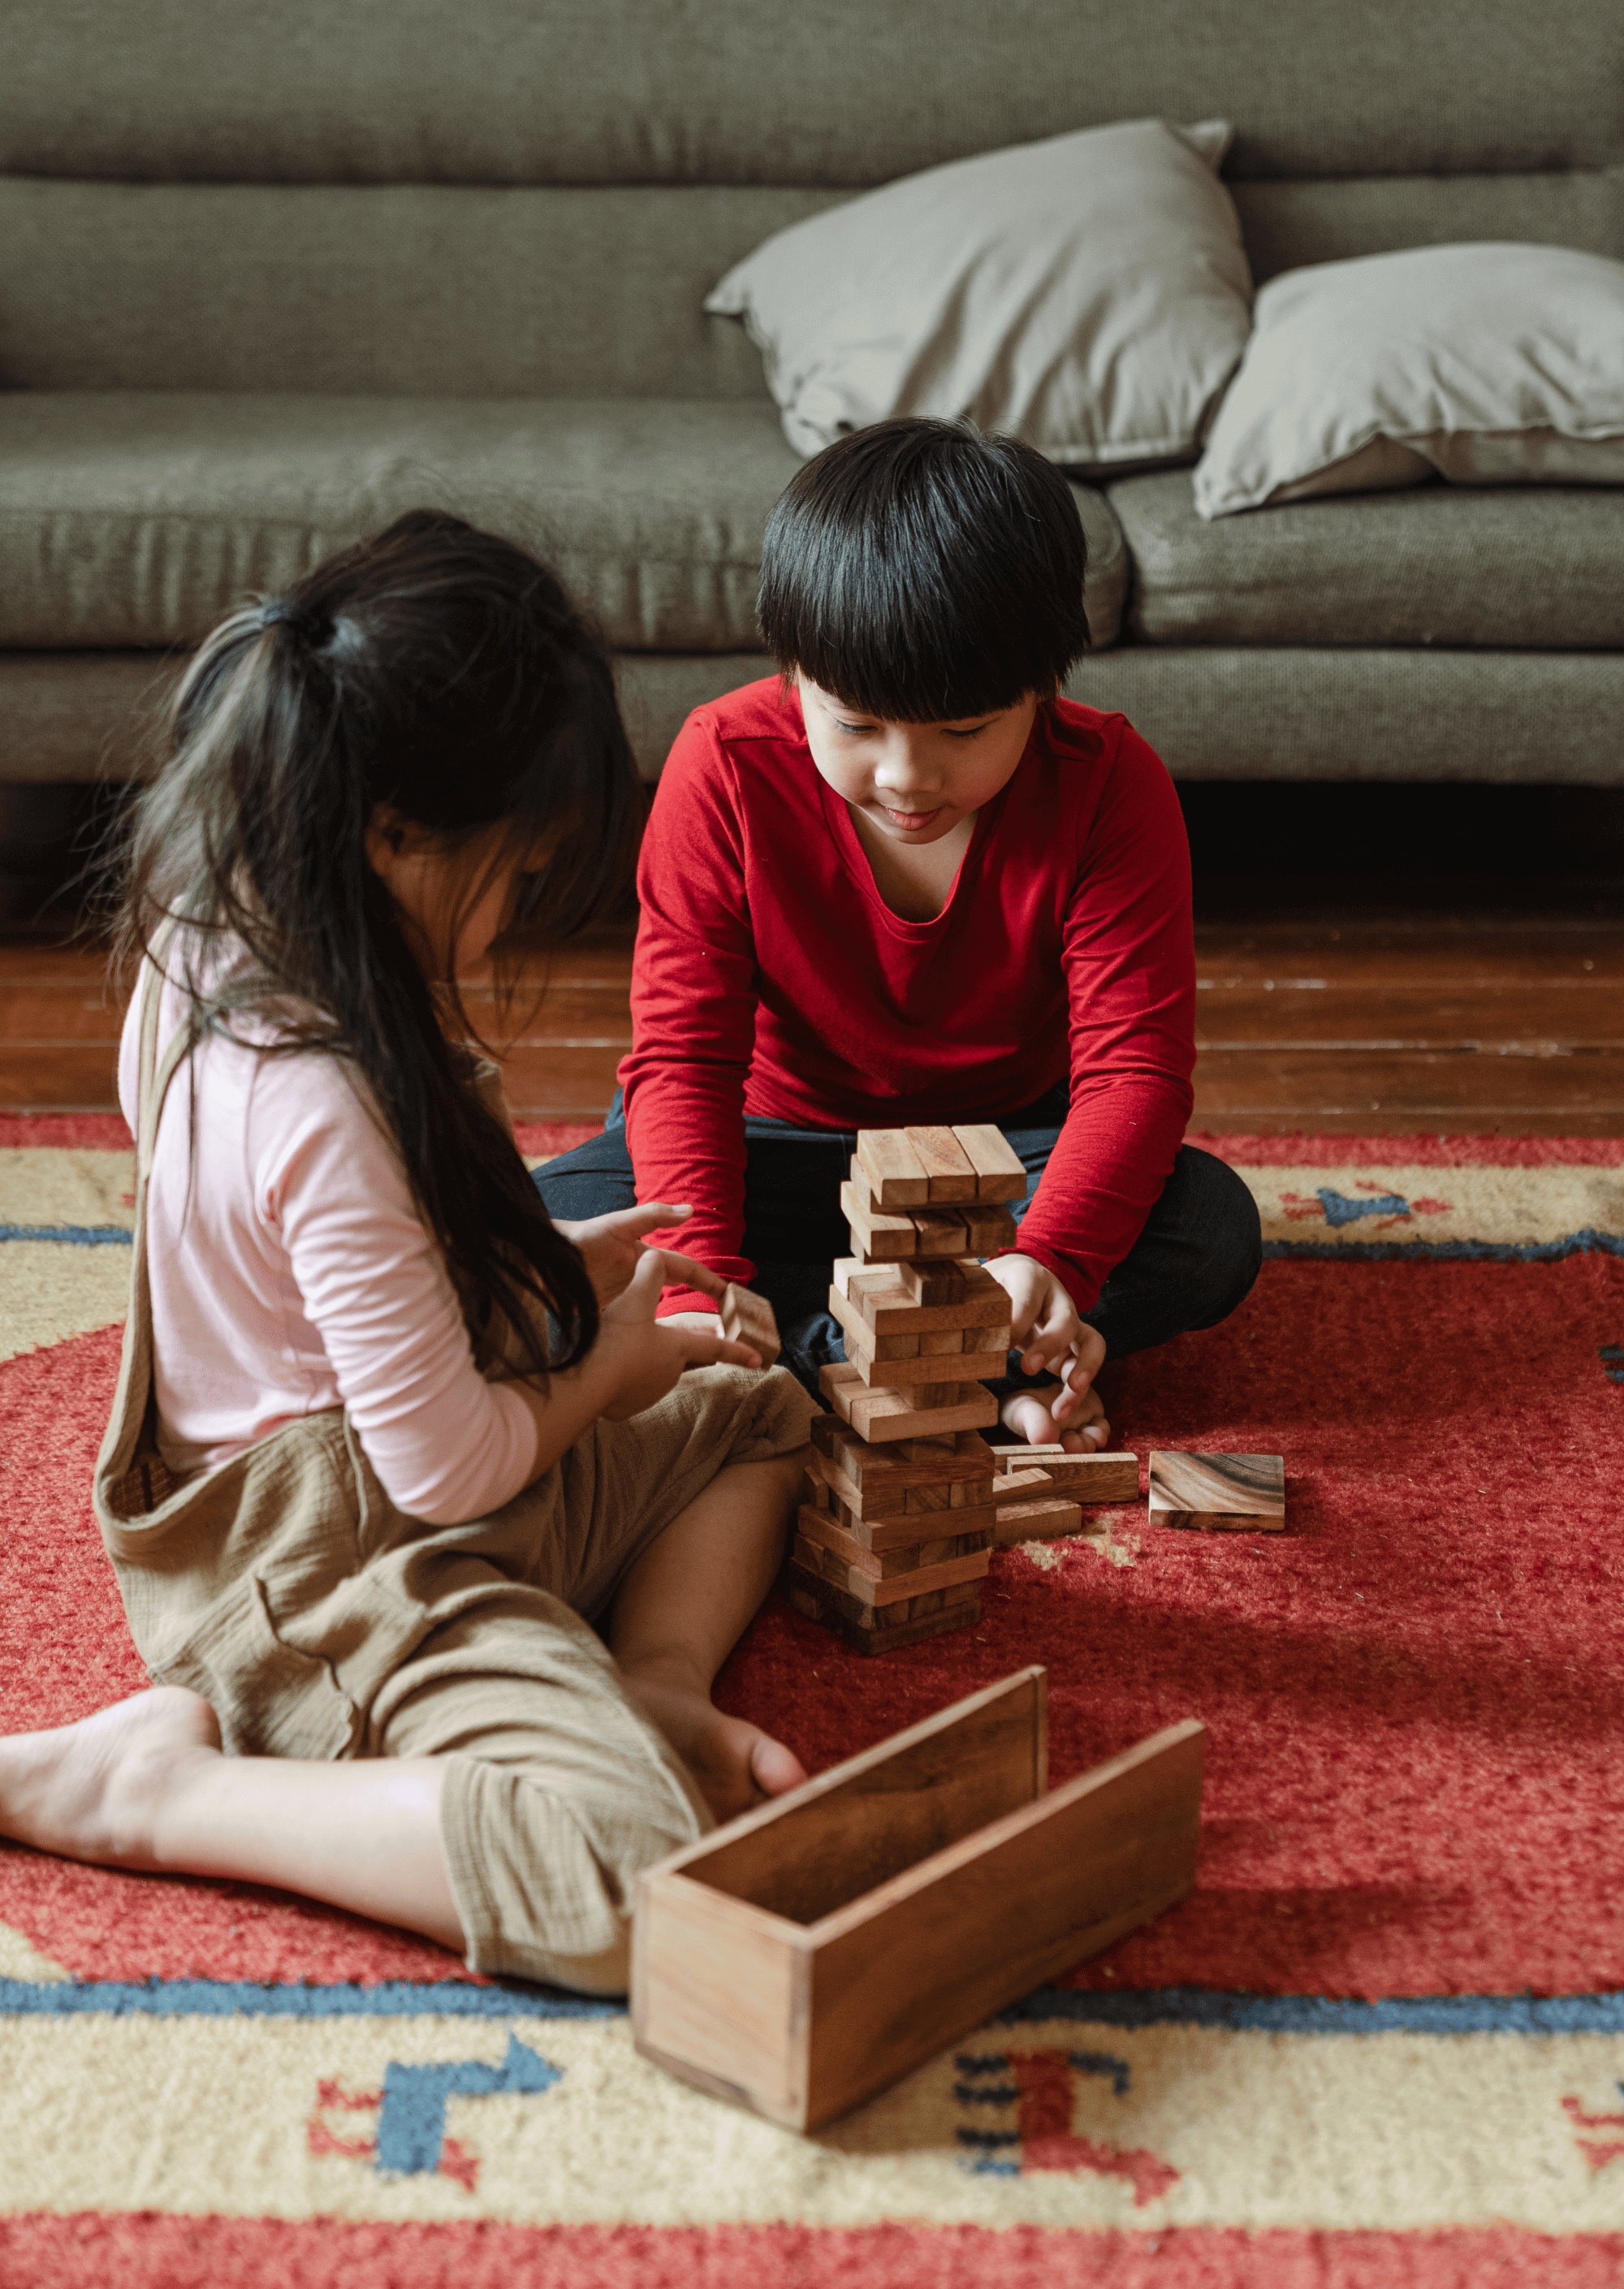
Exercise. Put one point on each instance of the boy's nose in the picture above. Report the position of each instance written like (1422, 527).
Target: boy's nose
(901, 777)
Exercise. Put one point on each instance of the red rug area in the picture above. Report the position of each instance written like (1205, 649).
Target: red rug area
(198, 2252)
(1415, 1695)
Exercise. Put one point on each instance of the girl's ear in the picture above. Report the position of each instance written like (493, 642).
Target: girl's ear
(385, 839)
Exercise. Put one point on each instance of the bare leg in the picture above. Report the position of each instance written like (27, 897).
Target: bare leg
(685, 1604)
(144, 1784)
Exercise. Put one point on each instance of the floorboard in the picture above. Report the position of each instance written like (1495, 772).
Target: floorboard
(1410, 1024)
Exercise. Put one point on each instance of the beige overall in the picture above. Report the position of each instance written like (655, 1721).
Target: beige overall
(319, 1621)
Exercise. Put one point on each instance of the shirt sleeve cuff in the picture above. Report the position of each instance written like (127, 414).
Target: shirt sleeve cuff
(1071, 1277)
(685, 1299)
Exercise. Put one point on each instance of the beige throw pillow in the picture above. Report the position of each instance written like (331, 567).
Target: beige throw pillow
(1488, 364)
(1089, 293)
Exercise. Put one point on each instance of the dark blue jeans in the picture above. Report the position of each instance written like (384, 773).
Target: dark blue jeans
(1196, 1259)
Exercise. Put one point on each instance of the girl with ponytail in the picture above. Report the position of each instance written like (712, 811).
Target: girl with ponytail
(390, 1447)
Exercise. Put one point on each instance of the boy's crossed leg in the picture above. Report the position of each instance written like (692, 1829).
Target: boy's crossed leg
(1196, 1259)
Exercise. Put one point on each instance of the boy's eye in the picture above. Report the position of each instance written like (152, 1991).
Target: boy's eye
(969, 731)
(854, 730)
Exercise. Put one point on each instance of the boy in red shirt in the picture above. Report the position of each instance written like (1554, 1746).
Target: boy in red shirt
(903, 882)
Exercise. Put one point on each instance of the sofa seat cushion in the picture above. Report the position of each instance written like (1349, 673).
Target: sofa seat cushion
(141, 518)
(1533, 568)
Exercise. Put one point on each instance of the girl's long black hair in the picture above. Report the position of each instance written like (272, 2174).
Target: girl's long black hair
(444, 675)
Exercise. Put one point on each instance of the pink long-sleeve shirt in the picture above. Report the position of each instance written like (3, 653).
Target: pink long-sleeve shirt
(290, 1273)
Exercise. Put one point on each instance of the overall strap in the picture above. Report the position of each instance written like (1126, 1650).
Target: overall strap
(132, 1480)
(152, 1078)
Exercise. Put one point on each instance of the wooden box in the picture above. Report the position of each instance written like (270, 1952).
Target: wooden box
(814, 1951)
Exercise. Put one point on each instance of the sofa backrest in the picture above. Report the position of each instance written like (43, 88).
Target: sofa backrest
(530, 197)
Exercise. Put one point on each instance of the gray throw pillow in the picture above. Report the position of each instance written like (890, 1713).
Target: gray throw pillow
(1089, 293)
(1487, 364)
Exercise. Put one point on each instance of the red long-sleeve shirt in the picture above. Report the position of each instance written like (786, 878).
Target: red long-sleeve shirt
(771, 979)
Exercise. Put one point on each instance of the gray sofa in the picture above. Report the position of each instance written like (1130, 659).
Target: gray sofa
(267, 278)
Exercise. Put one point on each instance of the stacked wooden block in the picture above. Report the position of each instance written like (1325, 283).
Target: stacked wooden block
(923, 1323)
(1042, 1492)
(899, 1526)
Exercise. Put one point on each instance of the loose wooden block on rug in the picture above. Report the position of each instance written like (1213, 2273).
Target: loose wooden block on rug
(815, 1950)
(1206, 1491)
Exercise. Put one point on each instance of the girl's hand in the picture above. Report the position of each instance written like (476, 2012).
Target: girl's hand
(614, 1246)
(1046, 1329)
(647, 1355)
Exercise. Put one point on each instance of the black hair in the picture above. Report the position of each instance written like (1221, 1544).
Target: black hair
(442, 674)
(922, 573)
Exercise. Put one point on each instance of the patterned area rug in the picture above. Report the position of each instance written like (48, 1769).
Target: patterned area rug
(1382, 2043)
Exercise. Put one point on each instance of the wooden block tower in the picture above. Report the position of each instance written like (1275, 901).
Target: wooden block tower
(899, 1523)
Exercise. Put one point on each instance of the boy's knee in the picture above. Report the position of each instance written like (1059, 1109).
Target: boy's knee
(544, 1877)
(596, 1179)
(1226, 1230)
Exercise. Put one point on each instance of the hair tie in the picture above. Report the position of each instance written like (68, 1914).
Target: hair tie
(308, 622)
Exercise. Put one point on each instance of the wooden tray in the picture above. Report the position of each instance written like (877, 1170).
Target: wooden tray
(814, 1951)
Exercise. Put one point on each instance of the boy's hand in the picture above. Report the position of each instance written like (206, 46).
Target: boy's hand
(1046, 1329)
(614, 1246)
(648, 1355)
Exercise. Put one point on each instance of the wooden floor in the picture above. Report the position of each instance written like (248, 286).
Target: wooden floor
(1510, 1026)
(1513, 1026)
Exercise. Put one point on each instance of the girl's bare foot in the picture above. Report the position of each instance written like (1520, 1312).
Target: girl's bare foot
(734, 1764)
(1085, 1430)
(94, 1790)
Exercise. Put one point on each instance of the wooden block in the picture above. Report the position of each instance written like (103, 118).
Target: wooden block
(1098, 1478)
(813, 1951)
(919, 1500)
(857, 1606)
(880, 1416)
(817, 1492)
(879, 1236)
(934, 1283)
(882, 1296)
(989, 1226)
(942, 1343)
(903, 1374)
(747, 1318)
(940, 1231)
(896, 1177)
(1020, 1486)
(945, 1163)
(1000, 1174)
(951, 1546)
(880, 1636)
(1043, 1521)
(819, 1527)
(860, 1471)
(1246, 1492)
(886, 1535)
(860, 1333)
(853, 1278)
(873, 1588)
